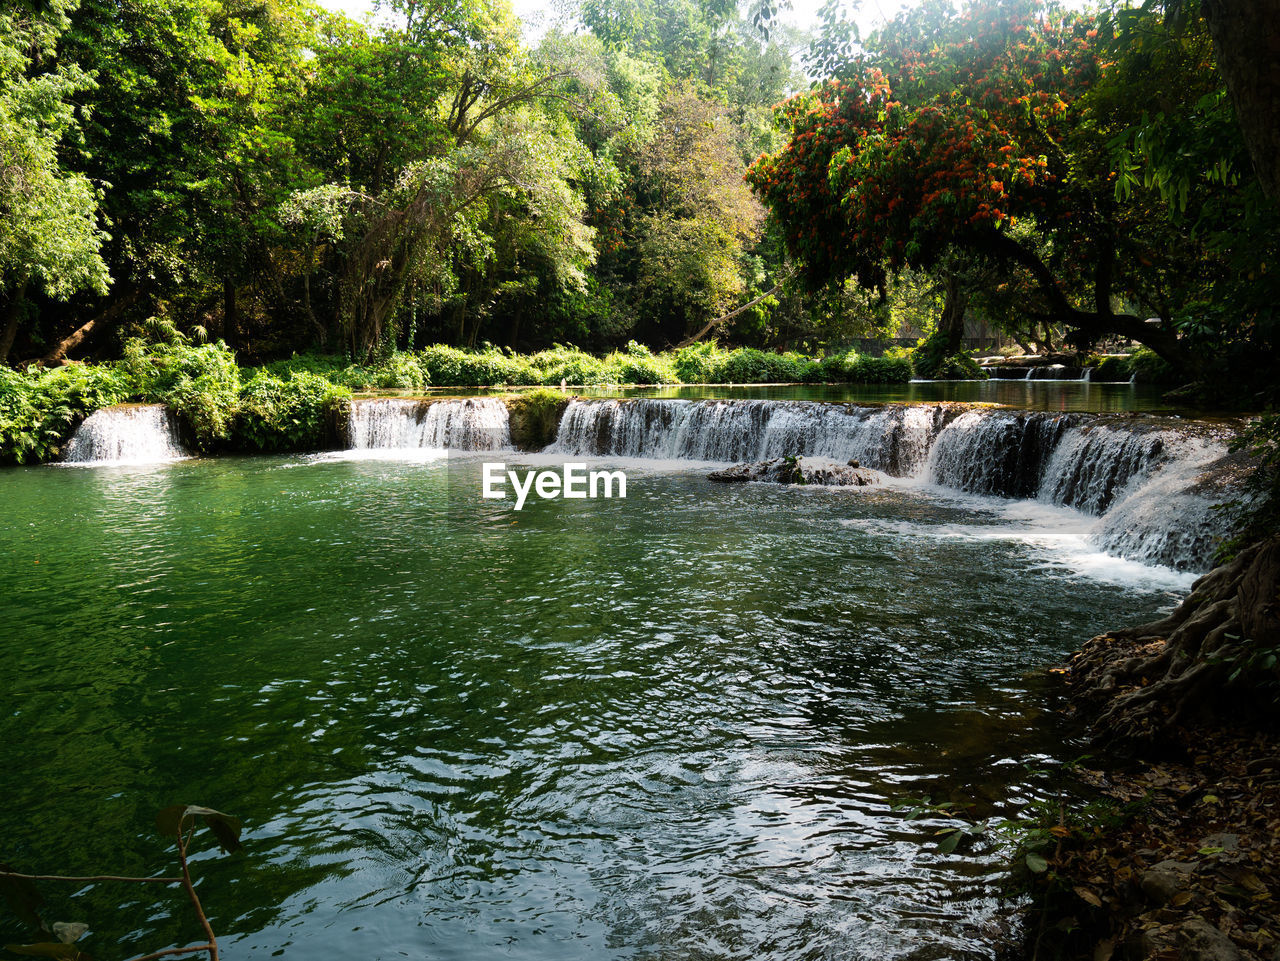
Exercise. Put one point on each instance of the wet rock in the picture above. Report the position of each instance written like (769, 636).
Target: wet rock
(1164, 881)
(799, 470)
(1204, 942)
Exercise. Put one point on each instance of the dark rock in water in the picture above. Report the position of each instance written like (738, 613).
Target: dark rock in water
(799, 470)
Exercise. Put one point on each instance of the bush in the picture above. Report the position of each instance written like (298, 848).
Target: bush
(696, 363)
(880, 370)
(1109, 367)
(201, 385)
(534, 417)
(632, 368)
(40, 410)
(747, 365)
(451, 367)
(1148, 367)
(298, 413)
(567, 364)
(932, 362)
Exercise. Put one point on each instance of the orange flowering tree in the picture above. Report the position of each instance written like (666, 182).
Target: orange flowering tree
(966, 132)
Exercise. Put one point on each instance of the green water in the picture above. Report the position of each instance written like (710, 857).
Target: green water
(666, 727)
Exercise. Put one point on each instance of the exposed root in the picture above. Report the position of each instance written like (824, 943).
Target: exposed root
(1141, 682)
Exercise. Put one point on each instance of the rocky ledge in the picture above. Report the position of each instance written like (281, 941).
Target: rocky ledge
(800, 470)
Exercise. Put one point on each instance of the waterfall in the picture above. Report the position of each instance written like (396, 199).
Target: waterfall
(477, 423)
(894, 439)
(128, 434)
(1048, 372)
(1144, 478)
(996, 452)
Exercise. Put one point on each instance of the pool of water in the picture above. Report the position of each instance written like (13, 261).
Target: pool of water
(670, 726)
(1031, 395)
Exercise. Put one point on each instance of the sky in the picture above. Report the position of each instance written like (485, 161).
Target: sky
(802, 13)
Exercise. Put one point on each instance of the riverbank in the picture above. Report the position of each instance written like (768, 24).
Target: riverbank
(1186, 862)
(289, 405)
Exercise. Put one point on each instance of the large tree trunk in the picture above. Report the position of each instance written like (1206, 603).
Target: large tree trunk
(1246, 41)
(951, 323)
(58, 355)
(11, 318)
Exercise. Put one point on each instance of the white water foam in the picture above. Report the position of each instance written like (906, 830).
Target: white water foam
(128, 434)
(476, 423)
(1141, 476)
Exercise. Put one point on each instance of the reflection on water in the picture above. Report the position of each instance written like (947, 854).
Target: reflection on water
(666, 727)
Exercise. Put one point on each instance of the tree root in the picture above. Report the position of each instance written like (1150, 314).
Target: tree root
(1141, 682)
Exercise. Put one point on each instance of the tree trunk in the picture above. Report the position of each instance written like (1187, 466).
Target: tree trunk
(951, 323)
(230, 314)
(12, 317)
(78, 336)
(1246, 41)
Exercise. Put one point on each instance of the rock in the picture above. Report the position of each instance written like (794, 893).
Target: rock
(1226, 842)
(799, 470)
(1161, 883)
(1204, 942)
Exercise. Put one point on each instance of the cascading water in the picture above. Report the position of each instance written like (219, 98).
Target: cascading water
(128, 434)
(892, 439)
(1141, 477)
(996, 452)
(477, 423)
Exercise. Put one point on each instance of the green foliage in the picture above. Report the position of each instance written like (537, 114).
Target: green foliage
(293, 414)
(534, 417)
(568, 365)
(636, 365)
(40, 410)
(49, 230)
(452, 367)
(201, 384)
(932, 361)
(1109, 368)
(1148, 367)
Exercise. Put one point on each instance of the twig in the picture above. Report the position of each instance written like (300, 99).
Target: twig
(212, 946)
(84, 880)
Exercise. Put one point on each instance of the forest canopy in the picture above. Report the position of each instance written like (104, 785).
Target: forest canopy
(286, 179)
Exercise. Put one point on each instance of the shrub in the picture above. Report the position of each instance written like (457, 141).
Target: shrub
(879, 370)
(931, 361)
(40, 410)
(534, 417)
(626, 368)
(1148, 367)
(297, 413)
(1109, 367)
(201, 384)
(567, 364)
(747, 365)
(401, 371)
(696, 364)
(452, 367)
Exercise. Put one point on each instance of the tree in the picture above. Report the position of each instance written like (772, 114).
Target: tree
(50, 234)
(697, 217)
(955, 129)
(1246, 38)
